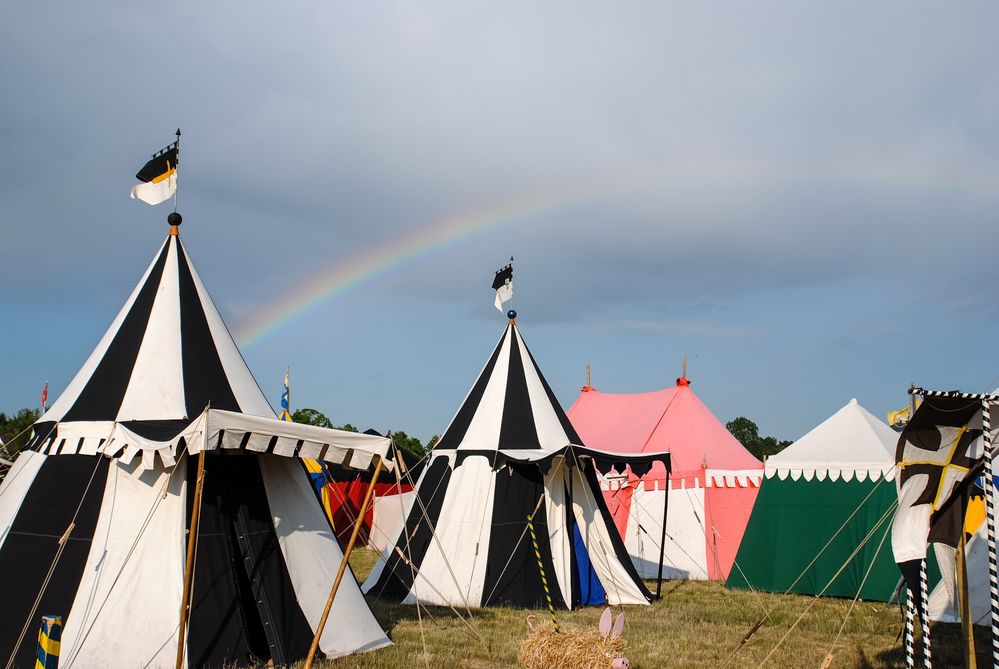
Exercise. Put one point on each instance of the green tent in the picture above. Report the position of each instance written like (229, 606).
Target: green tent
(822, 521)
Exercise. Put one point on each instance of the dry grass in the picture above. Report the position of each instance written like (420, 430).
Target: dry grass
(697, 624)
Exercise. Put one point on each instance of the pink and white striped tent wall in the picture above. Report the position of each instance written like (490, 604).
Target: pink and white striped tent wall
(713, 485)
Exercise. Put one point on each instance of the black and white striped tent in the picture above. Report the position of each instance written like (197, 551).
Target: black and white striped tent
(94, 513)
(510, 453)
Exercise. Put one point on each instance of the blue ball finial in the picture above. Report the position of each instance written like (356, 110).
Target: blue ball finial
(511, 314)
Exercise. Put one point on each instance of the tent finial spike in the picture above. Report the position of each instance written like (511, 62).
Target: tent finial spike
(587, 388)
(683, 380)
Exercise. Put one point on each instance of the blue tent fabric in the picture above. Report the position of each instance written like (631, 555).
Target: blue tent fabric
(591, 591)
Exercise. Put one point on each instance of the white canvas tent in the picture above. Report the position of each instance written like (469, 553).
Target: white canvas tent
(94, 512)
(510, 454)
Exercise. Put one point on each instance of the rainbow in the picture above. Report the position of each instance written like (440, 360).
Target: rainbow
(446, 232)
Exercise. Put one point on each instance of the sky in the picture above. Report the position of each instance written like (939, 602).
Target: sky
(802, 197)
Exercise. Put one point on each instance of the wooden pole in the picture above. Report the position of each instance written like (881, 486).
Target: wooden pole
(662, 541)
(967, 626)
(343, 565)
(192, 539)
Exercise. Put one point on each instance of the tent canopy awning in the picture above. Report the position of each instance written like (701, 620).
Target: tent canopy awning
(213, 430)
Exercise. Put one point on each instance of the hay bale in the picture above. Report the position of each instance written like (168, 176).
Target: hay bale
(569, 649)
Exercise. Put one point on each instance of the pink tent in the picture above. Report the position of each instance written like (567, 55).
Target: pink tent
(713, 484)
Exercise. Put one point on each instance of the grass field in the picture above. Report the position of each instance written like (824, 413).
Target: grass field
(696, 624)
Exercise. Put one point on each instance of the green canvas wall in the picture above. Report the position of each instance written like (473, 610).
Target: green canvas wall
(791, 522)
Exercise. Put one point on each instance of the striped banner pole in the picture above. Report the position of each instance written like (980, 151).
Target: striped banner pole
(910, 651)
(924, 618)
(49, 638)
(990, 518)
(541, 568)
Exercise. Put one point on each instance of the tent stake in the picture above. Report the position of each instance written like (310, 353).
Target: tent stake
(192, 538)
(343, 565)
(662, 541)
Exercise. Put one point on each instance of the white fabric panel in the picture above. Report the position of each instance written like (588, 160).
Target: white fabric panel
(551, 435)
(484, 430)
(942, 605)
(248, 394)
(462, 540)
(76, 386)
(390, 513)
(312, 556)
(620, 587)
(686, 546)
(730, 478)
(338, 446)
(909, 530)
(127, 608)
(558, 530)
(15, 486)
(156, 388)
(850, 441)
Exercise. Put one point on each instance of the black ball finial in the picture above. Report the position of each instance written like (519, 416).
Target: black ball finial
(511, 314)
(175, 219)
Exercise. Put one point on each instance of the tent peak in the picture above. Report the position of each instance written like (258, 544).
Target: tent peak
(683, 381)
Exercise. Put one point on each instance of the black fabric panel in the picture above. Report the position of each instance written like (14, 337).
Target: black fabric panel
(102, 396)
(29, 549)
(519, 583)
(397, 577)
(570, 431)
(158, 430)
(244, 606)
(205, 381)
(459, 426)
(517, 429)
(590, 474)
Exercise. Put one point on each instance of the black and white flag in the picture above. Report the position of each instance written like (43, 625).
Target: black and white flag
(503, 285)
(158, 177)
(938, 455)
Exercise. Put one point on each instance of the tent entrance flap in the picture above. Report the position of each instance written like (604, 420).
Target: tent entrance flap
(241, 581)
(591, 591)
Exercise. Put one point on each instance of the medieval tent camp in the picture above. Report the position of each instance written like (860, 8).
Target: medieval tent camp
(510, 471)
(712, 487)
(94, 513)
(825, 508)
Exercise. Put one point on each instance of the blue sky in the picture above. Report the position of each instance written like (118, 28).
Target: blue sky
(802, 197)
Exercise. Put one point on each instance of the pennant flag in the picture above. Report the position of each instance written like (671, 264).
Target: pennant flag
(899, 419)
(937, 457)
(158, 176)
(503, 285)
(318, 470)
(285, 414)
(45, 395)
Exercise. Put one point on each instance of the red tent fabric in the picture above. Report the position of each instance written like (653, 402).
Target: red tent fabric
(714, 479)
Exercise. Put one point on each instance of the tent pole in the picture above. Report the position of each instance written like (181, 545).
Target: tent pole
(967, 627)
(192, 539)
(343, 565)
(662, 540)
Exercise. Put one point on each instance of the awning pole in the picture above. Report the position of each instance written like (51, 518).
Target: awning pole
(343, 565)
(662, 540)
(990, 526)
(192, 539)
(967, 626)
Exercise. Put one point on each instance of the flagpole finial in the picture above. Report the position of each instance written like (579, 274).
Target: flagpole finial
(512, 315)
(175, 219)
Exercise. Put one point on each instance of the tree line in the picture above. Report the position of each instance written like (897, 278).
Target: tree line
(748, 434)
(410, 445)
